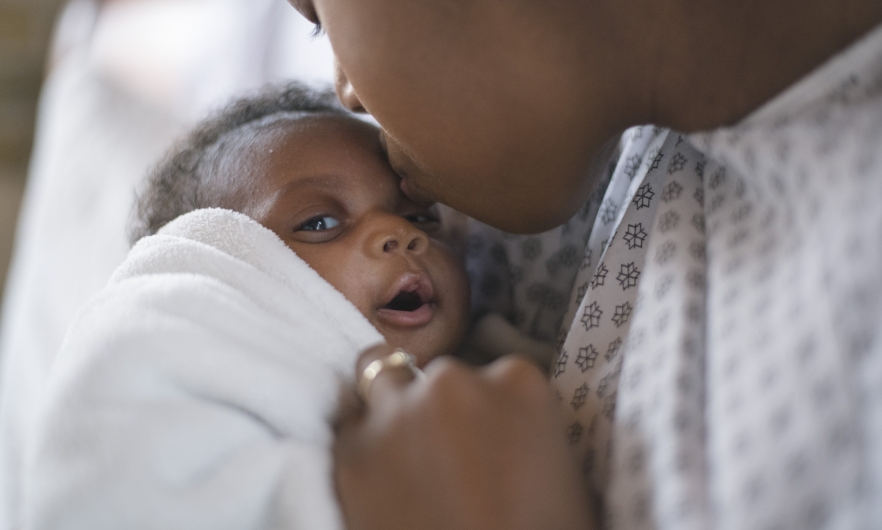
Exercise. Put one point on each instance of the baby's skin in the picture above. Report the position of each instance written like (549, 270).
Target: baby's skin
(324, 186)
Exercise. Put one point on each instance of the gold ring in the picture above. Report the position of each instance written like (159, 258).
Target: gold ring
(397, 359)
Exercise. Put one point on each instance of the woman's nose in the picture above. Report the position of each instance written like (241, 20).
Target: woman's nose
(392, 234)
(345, 92)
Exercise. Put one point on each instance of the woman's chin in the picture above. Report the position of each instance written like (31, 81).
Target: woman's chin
(531, 218)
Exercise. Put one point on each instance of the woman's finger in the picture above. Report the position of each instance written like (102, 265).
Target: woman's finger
(377, 378)
(461, 448)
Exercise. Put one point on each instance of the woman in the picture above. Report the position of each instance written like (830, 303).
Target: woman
(498, 109)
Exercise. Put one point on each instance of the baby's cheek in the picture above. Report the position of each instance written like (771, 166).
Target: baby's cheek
(456, 289)
(348, 275)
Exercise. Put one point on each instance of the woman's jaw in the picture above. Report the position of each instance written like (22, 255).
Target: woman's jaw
(518, 202)
(476, 114)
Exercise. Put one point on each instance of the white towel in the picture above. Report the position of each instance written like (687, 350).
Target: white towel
(196, 391)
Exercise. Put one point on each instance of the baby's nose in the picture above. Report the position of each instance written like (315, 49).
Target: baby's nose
(414, 245)
(393, 234)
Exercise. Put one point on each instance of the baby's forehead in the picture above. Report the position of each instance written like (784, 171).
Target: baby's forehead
(274, 150)
(298, 133)
(286, 123)
(260, 139)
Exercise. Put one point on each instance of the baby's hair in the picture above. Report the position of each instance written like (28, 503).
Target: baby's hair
(180, 183)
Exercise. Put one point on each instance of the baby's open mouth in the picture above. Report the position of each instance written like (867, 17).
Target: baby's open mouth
(413, 303)
(405, 301)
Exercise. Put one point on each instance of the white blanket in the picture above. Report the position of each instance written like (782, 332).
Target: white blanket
(196, 391)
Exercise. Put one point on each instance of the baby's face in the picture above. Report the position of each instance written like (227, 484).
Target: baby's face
(323, 185)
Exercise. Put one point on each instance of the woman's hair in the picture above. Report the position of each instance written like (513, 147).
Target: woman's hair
(181, 182)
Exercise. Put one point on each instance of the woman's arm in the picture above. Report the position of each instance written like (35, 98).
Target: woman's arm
(461, 449)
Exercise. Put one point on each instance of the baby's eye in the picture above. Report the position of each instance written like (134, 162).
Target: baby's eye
(321, 222)
(424, 221)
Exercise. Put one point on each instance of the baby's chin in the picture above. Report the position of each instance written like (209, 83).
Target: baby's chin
(439, 335)
(423, 348)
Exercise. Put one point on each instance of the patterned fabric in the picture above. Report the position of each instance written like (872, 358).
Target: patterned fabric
(747, 393)
(526, 278)
(658, 432)
(586, 371)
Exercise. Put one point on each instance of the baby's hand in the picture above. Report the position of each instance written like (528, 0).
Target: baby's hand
(493, 337)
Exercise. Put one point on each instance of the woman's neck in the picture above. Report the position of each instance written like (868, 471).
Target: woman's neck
(720, 61)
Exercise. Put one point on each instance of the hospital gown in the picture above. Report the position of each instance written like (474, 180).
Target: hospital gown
(720, 355)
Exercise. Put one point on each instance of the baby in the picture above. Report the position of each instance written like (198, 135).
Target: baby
(198, 389)
(298, 164)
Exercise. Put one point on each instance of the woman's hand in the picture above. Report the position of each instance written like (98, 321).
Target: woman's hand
(460, 449)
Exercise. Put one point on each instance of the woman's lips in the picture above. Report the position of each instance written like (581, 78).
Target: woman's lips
(404, 167)
(414, 193)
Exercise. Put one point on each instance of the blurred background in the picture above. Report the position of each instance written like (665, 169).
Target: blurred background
(25, 31)
(155, 50)
(92, 93)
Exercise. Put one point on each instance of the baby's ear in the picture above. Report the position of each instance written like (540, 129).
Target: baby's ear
(492, 337)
